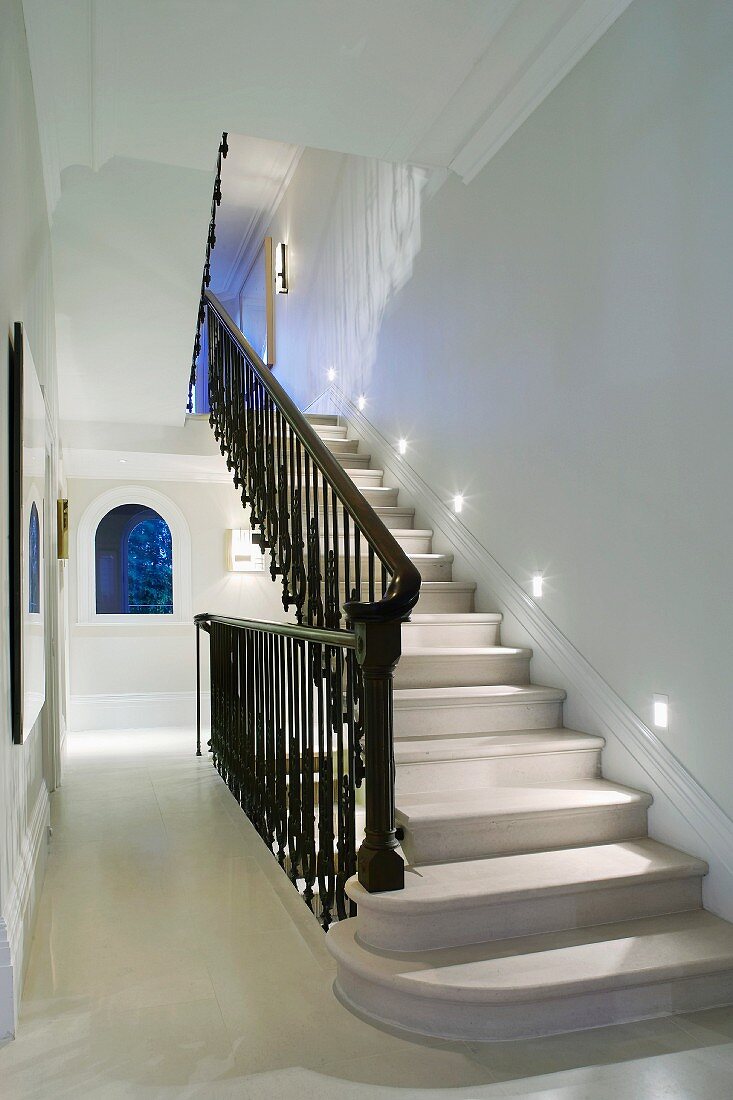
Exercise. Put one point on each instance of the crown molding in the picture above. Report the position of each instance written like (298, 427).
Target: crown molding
(531, 52)
(118, 465)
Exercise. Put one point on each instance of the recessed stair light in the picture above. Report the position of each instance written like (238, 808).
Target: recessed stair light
(331, 374)
(361, 402)
(457, 503)
(402, 446)
(537, 582)
(661, 711)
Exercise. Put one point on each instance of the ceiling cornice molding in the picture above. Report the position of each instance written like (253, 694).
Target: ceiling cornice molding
(484, 113)
(251, 241)
(102, 465)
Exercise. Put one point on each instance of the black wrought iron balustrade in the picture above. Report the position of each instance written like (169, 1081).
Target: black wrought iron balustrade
(301, 712)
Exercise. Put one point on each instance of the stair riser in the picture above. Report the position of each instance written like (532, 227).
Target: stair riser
(352, 461)
(487, 718)
(507, 771)
(420, 544)
(449, 600)
(430, 570)
(342, 446)
(401, 518)
(375, 496)
(464, 671)
(330, 431)
(413, 930)
(506, 834)
(322, 418)
(530, 1019)
(367, 479)
(446, 634)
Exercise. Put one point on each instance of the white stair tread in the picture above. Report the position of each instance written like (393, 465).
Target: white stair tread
(478, 693)
(550, 965)
(464, 651)
(480, 746)
(412, 532)
(453, 617)
(448, 586)
(567, 796)
(431, 887)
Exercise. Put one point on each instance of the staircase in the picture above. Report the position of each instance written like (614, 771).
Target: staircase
(534, 900)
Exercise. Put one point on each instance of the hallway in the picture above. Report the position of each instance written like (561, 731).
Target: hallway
(172, 958)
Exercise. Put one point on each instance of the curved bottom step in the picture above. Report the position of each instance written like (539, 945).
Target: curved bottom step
(541, 985)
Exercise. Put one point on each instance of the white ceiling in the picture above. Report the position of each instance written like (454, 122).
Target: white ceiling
(132, 98)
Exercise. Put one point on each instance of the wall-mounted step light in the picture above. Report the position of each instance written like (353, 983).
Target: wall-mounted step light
(281, 269)
(361, 402)
(537, 581)
(331, 374)
(457, 503)
(402, 446)
(244, 554)
(661, 711)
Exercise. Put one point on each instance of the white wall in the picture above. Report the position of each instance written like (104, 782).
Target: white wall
(554, 340)
(145, 674)
(26, 294)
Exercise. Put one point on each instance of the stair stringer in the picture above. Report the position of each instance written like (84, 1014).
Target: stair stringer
(683, 814)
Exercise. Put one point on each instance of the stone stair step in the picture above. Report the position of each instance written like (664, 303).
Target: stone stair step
(496, 759)
(469, 824)
(450, 596)
(487, 708)
(560, 981)
(452, 904)
(322, 418)
(453, 666)
(473, 629)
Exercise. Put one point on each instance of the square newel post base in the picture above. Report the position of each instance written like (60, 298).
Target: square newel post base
(380, 869)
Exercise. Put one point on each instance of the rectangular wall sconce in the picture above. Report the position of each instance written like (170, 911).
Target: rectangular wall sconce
(244, 554)
(661, 711)
(62, 529)
(281, 269)
(537, 581)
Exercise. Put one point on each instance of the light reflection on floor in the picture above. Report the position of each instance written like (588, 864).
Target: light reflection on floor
(172, 958)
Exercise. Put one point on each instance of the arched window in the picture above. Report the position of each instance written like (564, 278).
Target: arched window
(133, 559)
(34, 562)
(133, 551)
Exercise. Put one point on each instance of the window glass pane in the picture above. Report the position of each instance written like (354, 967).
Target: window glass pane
(150, 568)
(134, 563)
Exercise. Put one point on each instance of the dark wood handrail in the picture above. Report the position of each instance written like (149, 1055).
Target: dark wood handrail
(404, 588)
(344, 638)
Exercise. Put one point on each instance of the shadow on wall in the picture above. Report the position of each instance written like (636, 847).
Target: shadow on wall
(367, 254)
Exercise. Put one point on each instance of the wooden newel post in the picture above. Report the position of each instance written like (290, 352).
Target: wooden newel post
(379, 864)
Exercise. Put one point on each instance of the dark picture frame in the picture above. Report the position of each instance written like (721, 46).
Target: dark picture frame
(15, 498)
(26, 497)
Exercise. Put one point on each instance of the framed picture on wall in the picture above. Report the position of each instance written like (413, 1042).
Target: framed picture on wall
(27, 441)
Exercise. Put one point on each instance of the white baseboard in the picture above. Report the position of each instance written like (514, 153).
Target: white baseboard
(136, 710)
(683, 814)
(16, 922)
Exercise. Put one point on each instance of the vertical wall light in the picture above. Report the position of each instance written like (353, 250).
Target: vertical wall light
(537, 582)
(458, 503)
(244, 554)
(402, 446)
(361, 402)
(281, 269)
(331, 374)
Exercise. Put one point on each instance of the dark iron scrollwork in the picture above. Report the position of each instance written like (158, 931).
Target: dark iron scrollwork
(206, 279)
(301, 713)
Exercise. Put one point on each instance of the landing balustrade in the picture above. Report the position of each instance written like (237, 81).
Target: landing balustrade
(301, 712)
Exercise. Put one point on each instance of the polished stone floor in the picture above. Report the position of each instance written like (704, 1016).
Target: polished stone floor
(172, 958)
